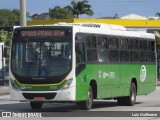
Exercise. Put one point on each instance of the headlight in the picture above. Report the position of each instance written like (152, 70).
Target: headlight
(67, 84)
(13, 84)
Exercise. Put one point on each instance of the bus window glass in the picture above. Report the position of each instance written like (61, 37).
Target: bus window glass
(143, 56)
(91, 41)
(133, 44)
(114, 55)
(80, 56)
(103, 55)
(134, 57)
(143, 45)
(124, 56)
(123, 43)
(151, 57)
(113, 43)
(41, 59)
(92, 55)
(102, 42)
(151, 46)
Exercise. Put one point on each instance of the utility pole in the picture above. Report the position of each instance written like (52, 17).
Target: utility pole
(22, 12)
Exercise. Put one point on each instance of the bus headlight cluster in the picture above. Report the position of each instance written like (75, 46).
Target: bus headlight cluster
(67, 84)
(13, 84)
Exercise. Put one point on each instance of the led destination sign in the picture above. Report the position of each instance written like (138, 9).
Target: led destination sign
(41, 33)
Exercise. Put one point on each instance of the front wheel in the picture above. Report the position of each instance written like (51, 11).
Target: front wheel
(36, 105)
(87, 104)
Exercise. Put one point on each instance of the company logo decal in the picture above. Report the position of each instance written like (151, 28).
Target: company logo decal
(143, 73)
(103, 74)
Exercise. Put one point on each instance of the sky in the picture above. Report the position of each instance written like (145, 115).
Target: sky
(101, 8)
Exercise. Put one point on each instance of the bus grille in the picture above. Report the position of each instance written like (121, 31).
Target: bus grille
(30, 96)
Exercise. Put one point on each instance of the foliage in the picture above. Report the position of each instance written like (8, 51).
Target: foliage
(4, 35)
(80, 7)
(34, 16)
(7, 18)
(59, 13)
(10, 17)
(158, 14)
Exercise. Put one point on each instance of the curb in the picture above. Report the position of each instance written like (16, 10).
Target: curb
(5, 93)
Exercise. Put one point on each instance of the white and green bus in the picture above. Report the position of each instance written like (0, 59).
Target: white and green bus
(80, 62)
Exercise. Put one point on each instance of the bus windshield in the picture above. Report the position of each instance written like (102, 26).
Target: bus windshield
(41, 59)
(37, 57)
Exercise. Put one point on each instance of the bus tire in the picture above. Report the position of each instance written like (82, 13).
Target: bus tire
(87, 104)
(36, 105)
(131, 99)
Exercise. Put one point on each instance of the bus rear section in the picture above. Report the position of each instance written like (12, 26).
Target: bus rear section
(113, 65)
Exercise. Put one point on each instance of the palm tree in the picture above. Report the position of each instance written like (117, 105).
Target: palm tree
(80, 7)
(158, 14)
(34, 16)
(59, 13)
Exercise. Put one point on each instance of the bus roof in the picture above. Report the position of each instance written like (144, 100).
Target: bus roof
(110, 29)
(106, 29)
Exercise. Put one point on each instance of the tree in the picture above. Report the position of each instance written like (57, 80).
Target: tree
(158, 14)
(80, 7)
(5, 37)
(6, 18)
(34, 16)
(10, 17)
(59, 13)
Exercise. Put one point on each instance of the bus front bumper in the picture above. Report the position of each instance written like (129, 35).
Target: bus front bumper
(60, 95)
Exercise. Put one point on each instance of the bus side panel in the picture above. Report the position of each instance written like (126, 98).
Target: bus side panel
(127, 73)
(83, 81)
(148, 85)
(104, 82)
(117, 90)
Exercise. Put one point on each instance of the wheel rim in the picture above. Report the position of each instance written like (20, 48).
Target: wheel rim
(90, 98)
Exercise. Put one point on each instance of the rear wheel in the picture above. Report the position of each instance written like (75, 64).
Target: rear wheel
(36, 105)
(129, 100)
(87, 104)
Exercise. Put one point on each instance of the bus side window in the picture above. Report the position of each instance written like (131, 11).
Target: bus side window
(151, 54)
(113, 43)
(143, 45)
(113, 49)
(124, 56)
(151, 46)
(134, 56)
(80, 56)
(91, 42)
(102, 49)
(123, 43)
(102, 43)
(114, 55)
(133, 44)
(123, 46)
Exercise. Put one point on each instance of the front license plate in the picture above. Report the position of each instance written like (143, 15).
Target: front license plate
(39, 99)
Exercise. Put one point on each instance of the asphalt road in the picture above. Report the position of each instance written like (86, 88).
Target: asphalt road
(144, 104)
